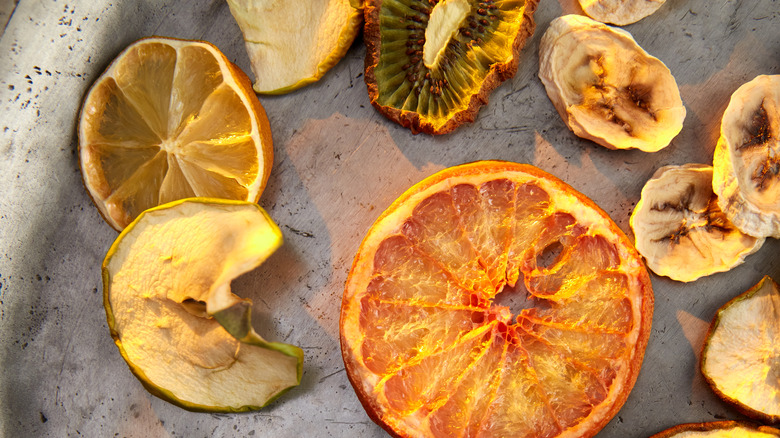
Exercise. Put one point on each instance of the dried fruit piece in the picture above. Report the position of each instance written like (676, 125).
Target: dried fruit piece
(741, 355)
(430, 351)
(184, 334)
(608, 89)
(719, 429)
(747, 158)
(680, 230)
(294, 43)
(171, 119)
(620, 12)
(430, 64)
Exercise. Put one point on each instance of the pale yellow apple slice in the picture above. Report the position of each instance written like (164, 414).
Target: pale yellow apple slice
(719, 429)
(294, 43)
(170, 310)
(620, 12)
(741, 355)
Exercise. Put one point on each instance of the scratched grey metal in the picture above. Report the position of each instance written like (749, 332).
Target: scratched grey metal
(62, 375)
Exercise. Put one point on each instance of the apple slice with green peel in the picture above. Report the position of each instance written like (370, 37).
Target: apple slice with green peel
(294, 43)
(184, 334)
(719, 429)
(741, 355)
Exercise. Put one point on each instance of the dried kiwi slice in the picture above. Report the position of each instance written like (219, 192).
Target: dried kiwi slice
(431, 64)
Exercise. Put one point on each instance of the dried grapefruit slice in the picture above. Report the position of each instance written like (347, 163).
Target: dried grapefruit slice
(719, 429)
(171, 119)
(430, 352)
(741, 355)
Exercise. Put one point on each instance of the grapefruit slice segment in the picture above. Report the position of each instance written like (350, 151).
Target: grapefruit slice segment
(431, 352)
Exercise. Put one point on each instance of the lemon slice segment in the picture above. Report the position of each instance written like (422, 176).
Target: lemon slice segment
(741, 355)
(171, 119)
(170, 310)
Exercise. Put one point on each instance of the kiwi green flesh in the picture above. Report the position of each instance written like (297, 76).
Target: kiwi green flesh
(484, 38)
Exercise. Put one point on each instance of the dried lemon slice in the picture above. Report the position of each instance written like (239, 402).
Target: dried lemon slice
(680, 230)
(608, 89)
(294, 43)
(620, 12)
(747, 158)
(166, 282)
(171, 119)
(741, 355)
(719, 429)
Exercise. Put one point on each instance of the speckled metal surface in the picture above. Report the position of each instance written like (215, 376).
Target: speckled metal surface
(338, 164)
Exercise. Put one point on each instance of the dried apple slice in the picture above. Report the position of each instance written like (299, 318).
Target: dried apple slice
(294, 43)
(680, 230)
(719, 429)
(608, 89)
(620, 12)
(187, 338)
(747, 158)
(741, 355)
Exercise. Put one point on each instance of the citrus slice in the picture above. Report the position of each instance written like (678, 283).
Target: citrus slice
(184, 334)
(719, 429)
(427, 343)
(171, 119)
(741, 355)
(294, 43)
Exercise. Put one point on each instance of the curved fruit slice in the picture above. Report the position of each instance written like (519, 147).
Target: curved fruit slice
(294, 43)
(608, 89)
(620, 12)
(747, 158)
(719, 429)
(166, 282)
(431, 64)
(171, 119)
(741, 356)
(680, 230)
(430, 352)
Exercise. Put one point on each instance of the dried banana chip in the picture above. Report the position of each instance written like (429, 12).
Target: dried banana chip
(607, 88)
(680, 230)
(747, 158)
(620, 12)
